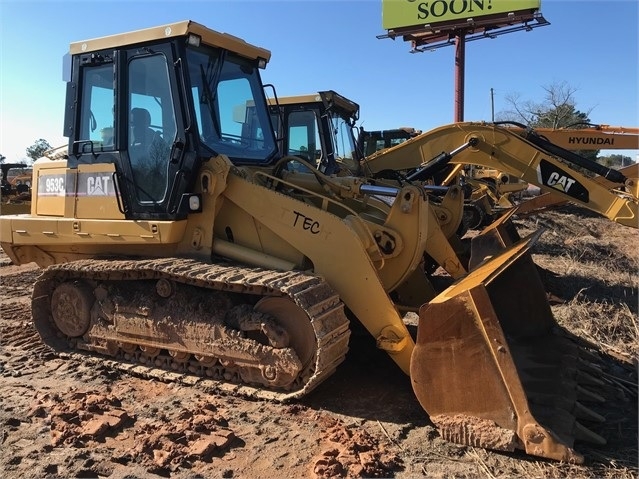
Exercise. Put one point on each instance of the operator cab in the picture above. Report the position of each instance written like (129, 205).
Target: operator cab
(317, 128)
(155, 104)
(371, 142)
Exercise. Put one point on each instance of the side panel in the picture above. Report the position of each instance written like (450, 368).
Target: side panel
(96, 192)
(54, 185)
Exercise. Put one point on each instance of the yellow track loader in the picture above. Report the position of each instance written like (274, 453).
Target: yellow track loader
(320, 127)
(182, 242)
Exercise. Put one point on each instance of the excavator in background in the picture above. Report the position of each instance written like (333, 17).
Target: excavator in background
(491, 189)
(582, 136)
(488, 188)
(191, 247)
(15, 188)
(577, 137)
(519, 152)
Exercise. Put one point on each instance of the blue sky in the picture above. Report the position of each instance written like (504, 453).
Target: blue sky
(331, 44)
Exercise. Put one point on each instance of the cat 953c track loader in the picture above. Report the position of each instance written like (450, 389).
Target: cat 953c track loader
(173, 236)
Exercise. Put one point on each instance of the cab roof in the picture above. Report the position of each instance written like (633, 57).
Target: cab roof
(183, 28)
(328, 96)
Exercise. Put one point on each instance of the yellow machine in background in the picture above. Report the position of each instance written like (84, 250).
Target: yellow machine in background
(372, 141)
(187, 242)
(491, 189)
(590, 136)
(524, 155)
(325, 123)
(383, 157)
(15, 190)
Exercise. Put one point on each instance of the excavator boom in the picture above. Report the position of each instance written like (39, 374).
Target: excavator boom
(587, 137)
(592, 137)
(531, 159)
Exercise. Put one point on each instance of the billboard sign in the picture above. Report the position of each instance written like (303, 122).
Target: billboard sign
(400, 14)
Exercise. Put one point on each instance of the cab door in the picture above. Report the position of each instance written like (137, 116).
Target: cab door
(148, 179)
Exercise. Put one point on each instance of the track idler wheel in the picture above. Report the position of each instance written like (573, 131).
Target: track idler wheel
(71, 304)
(294, 322)
(292, 329)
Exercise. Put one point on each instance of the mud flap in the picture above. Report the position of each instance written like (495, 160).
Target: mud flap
(490, 367)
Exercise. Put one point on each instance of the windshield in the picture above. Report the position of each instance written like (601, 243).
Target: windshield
(230, 108)
(343, 139)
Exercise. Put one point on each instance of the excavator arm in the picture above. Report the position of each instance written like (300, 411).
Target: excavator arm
(593, 137)
(529, 157)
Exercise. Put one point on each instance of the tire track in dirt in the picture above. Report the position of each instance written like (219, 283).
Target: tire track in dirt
(16, 283)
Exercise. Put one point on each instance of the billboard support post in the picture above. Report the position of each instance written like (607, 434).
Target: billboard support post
(439, 23)
(460, 66)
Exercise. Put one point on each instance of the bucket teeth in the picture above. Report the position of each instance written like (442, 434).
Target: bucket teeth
(568, 404)
(587, 414)
(584, 434)
(557, 379)
(588, 396)
(590, 367)
(588, 379)
(567, 427)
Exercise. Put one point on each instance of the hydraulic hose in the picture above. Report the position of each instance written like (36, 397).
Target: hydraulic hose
(534, 138)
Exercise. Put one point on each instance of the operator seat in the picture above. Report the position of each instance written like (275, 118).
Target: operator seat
(149, 156)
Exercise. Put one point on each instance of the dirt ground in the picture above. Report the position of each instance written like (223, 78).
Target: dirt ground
(61, 417)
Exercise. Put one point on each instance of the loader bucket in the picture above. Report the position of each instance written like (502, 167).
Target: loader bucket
(501, 234)
(491, 368)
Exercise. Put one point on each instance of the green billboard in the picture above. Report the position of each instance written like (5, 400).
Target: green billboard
(414, 13)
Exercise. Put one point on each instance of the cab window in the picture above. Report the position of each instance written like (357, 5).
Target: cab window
(97, 115)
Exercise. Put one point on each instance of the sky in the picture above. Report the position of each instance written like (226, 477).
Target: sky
(591, 45)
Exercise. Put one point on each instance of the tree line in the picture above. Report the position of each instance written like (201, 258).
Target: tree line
(558, 109)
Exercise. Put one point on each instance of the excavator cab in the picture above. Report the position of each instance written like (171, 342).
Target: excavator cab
(183, 243)
(373, 141)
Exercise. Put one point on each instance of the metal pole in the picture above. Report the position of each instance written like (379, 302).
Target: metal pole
(460, 60)
(492, 105)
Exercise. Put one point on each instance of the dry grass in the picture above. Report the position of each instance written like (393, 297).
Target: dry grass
(612, 326)
(592, 264)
